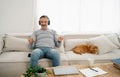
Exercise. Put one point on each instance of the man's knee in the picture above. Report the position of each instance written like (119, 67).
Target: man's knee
(55, 52)
(36, 53)
(56, 58)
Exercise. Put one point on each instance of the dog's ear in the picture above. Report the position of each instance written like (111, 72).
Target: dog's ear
(96, 48)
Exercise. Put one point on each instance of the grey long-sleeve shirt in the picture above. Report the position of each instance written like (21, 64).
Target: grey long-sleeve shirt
(45, 38)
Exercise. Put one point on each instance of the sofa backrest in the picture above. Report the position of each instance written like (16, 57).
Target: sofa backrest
(19, 42)
(80, 36)
(72, 40)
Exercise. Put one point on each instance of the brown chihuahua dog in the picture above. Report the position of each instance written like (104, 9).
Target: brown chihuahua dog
(86, 48)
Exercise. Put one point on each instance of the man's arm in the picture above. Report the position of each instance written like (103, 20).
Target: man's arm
(60, 38)
(57, 40)
(31, 40)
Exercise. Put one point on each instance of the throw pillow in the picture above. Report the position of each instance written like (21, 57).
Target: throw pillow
(103, 43)
(15, 43)
(71, 43)
(114, 39)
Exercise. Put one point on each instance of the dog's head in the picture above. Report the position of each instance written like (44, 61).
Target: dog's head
(93, 49)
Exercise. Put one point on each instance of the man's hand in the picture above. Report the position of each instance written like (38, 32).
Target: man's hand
(31, 40)
(60, 38)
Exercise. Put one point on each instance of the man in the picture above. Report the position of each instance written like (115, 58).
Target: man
(45, 40)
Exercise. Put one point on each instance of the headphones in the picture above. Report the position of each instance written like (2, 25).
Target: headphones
(44, 16)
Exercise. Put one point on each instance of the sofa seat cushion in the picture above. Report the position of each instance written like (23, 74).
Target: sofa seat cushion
(14, 57)
(11, 57)
(74, 58)
(48, 62)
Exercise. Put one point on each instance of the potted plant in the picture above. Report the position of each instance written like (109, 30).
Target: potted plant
(41, 72)
(36, 71)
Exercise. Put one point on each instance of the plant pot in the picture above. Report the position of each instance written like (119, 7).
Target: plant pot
(41, 74)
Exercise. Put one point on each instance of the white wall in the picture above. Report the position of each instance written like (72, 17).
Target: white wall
(16, 16)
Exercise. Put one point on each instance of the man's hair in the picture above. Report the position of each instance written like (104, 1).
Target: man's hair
(44, 16)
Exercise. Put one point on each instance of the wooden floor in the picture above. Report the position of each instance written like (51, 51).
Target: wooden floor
(108, 67)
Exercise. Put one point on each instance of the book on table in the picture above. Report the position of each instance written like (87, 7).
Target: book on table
(116, 63)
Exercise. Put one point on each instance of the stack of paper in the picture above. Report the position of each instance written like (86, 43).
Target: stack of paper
(92, 72)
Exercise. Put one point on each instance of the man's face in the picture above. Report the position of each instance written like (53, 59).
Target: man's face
(44, 21)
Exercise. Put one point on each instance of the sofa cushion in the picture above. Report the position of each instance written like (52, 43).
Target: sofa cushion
(71, 43)
(74, 58)
(47, 62)
(103, 43)
(10, 57)
(117, 52)
(15, 43)
(114, 39)
(14, 57)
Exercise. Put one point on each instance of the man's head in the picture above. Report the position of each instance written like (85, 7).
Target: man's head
(44, 20)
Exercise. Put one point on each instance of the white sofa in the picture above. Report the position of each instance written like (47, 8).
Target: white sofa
(14, 58)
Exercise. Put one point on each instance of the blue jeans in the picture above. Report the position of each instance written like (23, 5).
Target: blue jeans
(45, 52)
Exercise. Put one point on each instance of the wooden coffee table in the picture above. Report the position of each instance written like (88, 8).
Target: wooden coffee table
(108, 67)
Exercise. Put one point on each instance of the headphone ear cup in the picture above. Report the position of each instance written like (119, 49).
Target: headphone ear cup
(48, 22)
(39, 23)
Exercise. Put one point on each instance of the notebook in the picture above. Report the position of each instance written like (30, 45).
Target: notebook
(92, 72)
(116, 61)
(65, 70)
